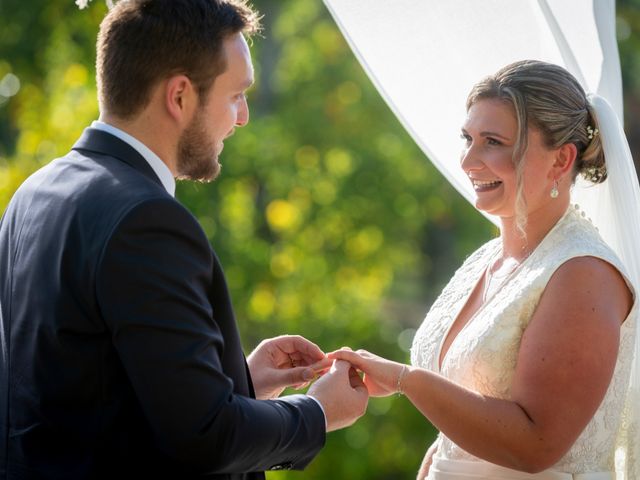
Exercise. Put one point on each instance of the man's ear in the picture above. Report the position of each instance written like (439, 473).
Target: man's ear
(180, 98)
(565, 159)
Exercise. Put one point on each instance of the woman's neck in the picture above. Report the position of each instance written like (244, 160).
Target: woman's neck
(518, 246)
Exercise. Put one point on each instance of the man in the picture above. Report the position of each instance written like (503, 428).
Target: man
(120, 352)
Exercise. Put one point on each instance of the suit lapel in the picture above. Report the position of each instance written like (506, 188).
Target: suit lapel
(100, 142)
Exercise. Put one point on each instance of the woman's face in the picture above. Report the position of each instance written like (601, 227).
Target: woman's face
(490, 133)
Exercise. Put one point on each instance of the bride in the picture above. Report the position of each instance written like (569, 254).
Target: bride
(523, 362)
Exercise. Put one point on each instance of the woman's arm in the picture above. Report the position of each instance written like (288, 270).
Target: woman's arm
(565, 363)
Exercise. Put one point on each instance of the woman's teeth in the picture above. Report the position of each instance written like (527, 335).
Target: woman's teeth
(485, 184)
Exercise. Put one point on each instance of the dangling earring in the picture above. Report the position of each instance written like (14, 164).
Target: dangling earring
(554, 190)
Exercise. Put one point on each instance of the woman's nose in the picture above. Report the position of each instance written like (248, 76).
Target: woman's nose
(469, 160)
(466, 157)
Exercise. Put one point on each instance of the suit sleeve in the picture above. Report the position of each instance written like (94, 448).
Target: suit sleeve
(152, 286)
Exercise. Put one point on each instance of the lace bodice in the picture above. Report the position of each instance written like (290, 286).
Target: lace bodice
(483, 355)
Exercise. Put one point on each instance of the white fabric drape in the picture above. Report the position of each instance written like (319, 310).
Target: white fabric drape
(425, 55)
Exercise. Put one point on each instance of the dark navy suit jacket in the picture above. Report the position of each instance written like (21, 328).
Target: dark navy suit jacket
(120, 354)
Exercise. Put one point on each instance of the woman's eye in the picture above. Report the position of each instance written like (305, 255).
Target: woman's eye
(465, 137)
(493, 141)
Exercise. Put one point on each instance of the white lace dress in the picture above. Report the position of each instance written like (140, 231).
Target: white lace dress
(483, 355)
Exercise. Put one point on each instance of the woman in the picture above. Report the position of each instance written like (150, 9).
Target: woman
(523, 362)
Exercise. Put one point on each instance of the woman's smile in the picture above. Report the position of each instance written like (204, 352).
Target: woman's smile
(481, 186)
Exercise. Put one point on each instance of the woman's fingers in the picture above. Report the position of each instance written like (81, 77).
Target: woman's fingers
(347, 355)
(354, 358)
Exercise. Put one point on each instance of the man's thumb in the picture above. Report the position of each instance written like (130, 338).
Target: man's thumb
(341, 366)
(300, 375)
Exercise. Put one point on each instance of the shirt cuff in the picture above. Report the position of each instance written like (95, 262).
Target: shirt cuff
(321, 408)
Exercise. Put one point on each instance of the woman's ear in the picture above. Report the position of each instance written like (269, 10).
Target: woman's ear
(180, 98)
(565, 158)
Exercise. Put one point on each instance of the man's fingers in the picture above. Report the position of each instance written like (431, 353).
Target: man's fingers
(301, 375)
(354, 379)
(291, 344)
(358, 385)
(361, 388)
(322, 365)
(292, 377)
(341, 367)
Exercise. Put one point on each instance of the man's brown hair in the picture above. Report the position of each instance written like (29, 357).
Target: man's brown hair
(142, 42)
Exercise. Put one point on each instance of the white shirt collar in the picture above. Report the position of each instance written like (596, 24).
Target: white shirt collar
(158, 166)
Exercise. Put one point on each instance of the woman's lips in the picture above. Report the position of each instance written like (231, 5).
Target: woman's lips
(485, 185)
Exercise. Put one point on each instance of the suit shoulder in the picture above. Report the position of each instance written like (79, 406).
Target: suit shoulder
(160, 210)
(106, 188)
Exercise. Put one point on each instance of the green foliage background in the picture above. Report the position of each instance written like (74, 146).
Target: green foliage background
(329, 221)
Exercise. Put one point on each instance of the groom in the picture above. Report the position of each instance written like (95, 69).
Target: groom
(120, 355)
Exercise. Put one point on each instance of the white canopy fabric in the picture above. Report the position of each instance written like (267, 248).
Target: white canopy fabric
(425, 55)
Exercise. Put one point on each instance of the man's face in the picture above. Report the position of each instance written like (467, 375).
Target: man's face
(225, 109)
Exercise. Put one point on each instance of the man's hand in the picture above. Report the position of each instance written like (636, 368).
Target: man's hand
(382, 377)
(285, 361)
(342, 394)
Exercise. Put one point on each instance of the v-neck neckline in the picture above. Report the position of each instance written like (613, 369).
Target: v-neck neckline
(441, 356)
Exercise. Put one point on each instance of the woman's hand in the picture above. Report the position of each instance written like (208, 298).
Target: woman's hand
(382, 377)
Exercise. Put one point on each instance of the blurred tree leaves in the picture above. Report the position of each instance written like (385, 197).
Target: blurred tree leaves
(328, 219)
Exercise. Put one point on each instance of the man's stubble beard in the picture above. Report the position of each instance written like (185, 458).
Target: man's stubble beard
(197, 156)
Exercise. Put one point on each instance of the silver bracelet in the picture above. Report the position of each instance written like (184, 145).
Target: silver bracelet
(399, 383)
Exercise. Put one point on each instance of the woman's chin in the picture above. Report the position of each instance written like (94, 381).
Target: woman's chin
(489, 208)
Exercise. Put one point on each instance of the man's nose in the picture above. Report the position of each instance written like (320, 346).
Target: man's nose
(242, 117)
